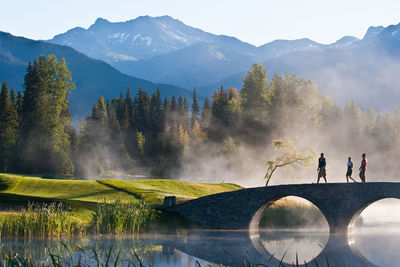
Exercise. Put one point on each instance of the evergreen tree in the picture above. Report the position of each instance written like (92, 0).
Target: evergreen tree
(8, 129)
(195, 108)
(181, 108)
(45, 142)
(174, 104)
(13, 98)
(185, 115)
(99, 112)
(219, 108)
(141, 106)
(113, 124)
(129, 110)
(166, 108)
(128, 98)
(205, 115)
(156, 120)
(172, 119)
(20, 100)
(118, 105)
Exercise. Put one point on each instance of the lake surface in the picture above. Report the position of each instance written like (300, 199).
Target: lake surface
(371, 245)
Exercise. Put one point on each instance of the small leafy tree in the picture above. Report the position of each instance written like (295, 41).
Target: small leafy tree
(141, 140)
(288, 157)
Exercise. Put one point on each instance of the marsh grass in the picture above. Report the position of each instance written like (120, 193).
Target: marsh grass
(57, 220)
(123, 217)
(40, 220)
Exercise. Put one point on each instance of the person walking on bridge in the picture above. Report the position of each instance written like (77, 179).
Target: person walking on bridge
(321, 168)
(349, 170)
(363, 167)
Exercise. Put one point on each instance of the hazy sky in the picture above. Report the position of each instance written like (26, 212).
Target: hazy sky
(253, 21)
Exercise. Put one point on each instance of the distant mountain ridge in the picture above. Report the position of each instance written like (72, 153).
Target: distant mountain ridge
(163, 49)
(93, 78)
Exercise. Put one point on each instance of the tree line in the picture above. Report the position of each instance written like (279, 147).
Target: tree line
(163, 134)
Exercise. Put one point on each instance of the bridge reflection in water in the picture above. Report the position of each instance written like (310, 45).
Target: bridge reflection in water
(233, 248)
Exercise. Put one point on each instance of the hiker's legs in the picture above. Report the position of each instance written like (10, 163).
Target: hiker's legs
(325, 179)
(362, 176)
(347, 178)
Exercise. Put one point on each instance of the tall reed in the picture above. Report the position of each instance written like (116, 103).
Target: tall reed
(123, 217)
(55, 220)
(44, 220)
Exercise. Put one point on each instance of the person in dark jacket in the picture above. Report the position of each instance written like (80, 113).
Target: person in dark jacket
(321, 168)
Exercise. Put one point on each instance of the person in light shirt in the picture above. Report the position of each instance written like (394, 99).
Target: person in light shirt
(349, 170)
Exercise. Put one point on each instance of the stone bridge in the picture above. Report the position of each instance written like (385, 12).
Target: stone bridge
(340, 203)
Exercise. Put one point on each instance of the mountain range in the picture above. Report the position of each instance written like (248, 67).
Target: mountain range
(163, 49)
(108, 57)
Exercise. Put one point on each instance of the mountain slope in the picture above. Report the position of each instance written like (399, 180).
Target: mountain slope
(141, 38)
(363, 70)
(93, 78)
(190, 67)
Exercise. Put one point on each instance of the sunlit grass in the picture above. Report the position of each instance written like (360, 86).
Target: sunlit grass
(152, 191)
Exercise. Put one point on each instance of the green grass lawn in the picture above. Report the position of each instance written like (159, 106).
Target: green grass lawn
(154, 191)
(86, 191)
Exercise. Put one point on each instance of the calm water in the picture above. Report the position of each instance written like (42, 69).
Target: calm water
(371, 245)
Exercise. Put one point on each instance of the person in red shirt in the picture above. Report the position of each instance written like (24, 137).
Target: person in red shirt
(363, 167)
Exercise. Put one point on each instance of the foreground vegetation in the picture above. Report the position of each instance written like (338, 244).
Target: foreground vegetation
(56, 220)
(77, 207)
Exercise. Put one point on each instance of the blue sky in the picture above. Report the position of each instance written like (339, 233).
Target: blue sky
(253, 21)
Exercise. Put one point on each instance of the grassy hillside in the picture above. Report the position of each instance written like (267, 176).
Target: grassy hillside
(152, 191)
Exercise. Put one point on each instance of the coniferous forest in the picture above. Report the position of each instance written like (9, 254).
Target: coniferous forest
(166, 136)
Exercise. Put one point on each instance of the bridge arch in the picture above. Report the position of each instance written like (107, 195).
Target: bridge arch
(351, 236)
(358, 212)
(254, 226)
